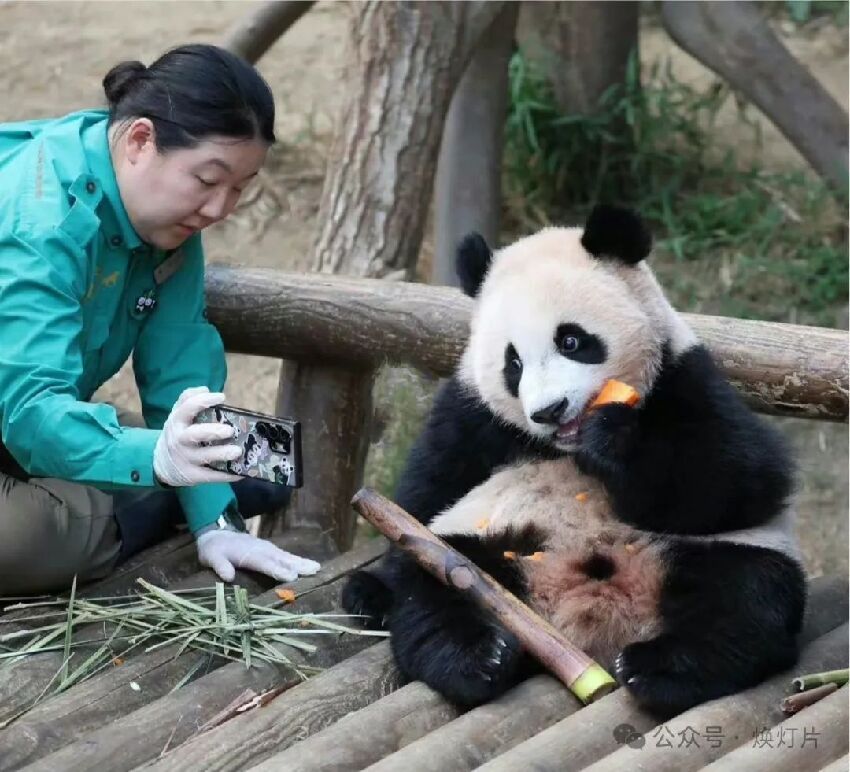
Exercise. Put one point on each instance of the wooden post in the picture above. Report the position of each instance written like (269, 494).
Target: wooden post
(468, 186)
(334, 405)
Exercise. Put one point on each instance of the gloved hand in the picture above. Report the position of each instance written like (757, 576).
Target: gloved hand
(178, 458)
(225, 551)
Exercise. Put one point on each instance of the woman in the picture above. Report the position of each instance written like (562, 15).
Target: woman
(100, 256)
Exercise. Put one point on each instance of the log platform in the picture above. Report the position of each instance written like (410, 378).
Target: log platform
(357, 714)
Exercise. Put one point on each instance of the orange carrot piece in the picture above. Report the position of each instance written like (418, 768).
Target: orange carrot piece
(482, 523)
(510, 555)
(581, 497)
(616, 391)
(287, 596)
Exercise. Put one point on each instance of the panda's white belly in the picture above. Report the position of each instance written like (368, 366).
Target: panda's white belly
(598, 580)
(554, 496)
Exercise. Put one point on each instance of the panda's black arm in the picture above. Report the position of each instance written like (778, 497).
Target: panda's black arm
(693, 459)
(460, 446)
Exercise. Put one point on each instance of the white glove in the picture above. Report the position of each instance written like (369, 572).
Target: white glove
(225, 551)
(178, 458)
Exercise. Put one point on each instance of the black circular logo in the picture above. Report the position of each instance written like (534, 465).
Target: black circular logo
(626, 734)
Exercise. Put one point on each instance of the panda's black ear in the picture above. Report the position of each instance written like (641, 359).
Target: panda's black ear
(616, 232)
(472, 261)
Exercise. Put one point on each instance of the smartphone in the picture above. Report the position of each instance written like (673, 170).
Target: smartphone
(271, 446)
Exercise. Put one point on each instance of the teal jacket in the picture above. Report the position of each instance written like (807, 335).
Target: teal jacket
(72, 275)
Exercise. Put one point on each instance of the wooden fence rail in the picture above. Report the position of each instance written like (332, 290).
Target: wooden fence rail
(783, 369)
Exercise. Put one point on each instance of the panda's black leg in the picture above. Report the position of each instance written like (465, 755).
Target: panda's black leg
(730, 613)
(449, 642)
(367, 596)
(445, 640)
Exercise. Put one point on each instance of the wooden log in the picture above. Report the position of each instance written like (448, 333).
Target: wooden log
(735, 41)
(87, 709)
(581, 674)
(557, 747)
(468, 187)
(373, 732)
(740, 716)
(256, 32)
(783, 369)
(839, 765)
(406, 60)
(334, 405)
(295, 715)
(807, 740)
(479, 735)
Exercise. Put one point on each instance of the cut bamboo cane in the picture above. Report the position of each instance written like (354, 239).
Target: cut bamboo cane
(584, 677)
(796, 702)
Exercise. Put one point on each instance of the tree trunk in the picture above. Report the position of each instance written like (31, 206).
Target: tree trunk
(407, 60)
(468, 188)
(734, 40)
(582, 47)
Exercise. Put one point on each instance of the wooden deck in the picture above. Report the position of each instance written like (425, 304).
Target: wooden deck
(357, 714)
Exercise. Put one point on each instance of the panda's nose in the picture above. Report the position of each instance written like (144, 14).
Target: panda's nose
(552, 413)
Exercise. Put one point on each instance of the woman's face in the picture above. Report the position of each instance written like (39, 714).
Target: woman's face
(169, 196)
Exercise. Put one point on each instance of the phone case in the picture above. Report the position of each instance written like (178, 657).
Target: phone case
(271, 446)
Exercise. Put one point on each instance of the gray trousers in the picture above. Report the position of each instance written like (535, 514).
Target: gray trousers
(52, 529)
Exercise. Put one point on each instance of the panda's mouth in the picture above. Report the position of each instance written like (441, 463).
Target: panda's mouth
(567, 432)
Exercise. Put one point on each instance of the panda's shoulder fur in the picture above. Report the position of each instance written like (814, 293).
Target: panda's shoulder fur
(732, 469)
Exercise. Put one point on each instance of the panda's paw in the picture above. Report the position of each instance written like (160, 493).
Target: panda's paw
(608, 433)
(485, 670)
(367, 597)
(665, 676)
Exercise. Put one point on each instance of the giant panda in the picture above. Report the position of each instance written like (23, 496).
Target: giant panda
(664, 530)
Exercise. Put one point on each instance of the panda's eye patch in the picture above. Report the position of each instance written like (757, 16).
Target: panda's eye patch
(576, 343)
(512, 361)
(512, 371)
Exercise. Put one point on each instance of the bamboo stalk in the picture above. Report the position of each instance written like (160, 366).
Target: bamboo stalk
(796, 702)
(584, 677)
(838, 677)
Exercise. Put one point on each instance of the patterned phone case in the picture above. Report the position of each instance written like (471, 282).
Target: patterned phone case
(271, 447)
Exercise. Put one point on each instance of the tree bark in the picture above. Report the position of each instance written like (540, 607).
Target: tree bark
(406, 61)
(734, 40)
(469, 170)
(582, 47)
(255, 33)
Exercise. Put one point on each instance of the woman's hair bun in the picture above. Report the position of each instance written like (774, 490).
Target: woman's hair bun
(120, 79)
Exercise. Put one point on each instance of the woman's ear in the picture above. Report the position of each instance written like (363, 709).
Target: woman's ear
(138, 139)
(472, 262)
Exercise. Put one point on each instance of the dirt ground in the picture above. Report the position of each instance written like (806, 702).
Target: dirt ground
(53, 56)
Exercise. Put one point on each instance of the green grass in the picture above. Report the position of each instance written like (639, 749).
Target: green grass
(731, 238)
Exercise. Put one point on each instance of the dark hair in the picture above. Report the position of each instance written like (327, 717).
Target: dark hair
(190, 93)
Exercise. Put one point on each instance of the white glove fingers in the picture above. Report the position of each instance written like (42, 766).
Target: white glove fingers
(208, 454)
(186, 411)
(198, 433)
(190, 393)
